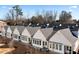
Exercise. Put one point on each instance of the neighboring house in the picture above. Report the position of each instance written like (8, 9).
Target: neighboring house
(28, 33)
(41, 37)
(12, 29)
(17, 32)
(2, 24)
(62, 41)
(4, 31)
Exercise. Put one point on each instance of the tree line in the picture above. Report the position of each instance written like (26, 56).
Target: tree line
(15, 17)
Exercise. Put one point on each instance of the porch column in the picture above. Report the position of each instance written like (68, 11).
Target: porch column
(63, 49)
(42, 44)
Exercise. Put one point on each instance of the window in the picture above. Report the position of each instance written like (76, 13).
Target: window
(50, 45)
(7, 34)
(60, 47)
(29, 39)
(53, 45)
(19, 37)
(15, 36)
(40, 42)
(33, 41)
(24, 38)
(70, 49)
(67, 48)
(57, 46)
(37, 42)
(44, 43)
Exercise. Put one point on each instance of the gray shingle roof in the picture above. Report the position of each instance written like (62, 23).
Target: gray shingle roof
(47, 32)
(67, 33)
(65, 37)
(12, 28)
(32, 30)
(20, 28)
(5, 27)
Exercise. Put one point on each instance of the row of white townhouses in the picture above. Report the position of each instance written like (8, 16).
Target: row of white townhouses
(61, 41)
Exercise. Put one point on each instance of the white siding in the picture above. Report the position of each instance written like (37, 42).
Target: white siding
(26, 33)
(59, 38)
(17, 33)
(56, 50)
(39, 35)
(24, 39)
(8, 35)
(36, 45)
(9, 32)
(3, 32)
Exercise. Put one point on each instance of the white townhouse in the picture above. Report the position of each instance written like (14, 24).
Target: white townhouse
(4, 31)
(12, 30)
(41, 37)
(2, 24)
(28, 33)
(17, 32)
(62, 41)
(9, 32)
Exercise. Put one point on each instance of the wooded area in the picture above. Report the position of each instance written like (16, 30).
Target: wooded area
(15, 17)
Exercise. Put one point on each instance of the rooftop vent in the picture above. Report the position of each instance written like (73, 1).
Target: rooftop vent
(60, 25)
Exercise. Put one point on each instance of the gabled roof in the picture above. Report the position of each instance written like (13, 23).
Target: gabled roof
(12, 28)
(64, 36)
(47, 32)
(58, 37)
(67, 33)
(5, 27)
(32, 30)
(20, 28)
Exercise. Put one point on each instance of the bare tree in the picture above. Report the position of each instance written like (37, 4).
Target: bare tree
(50, 16)
(65, 17)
